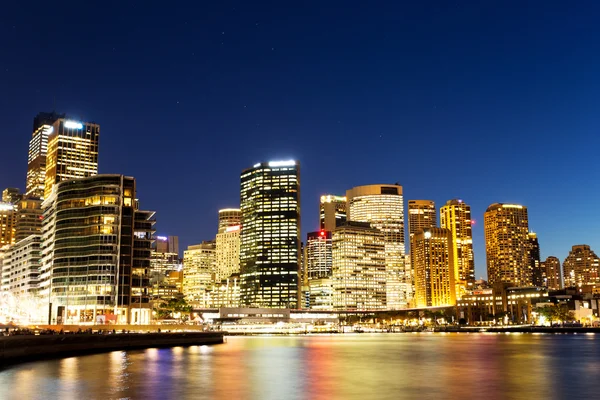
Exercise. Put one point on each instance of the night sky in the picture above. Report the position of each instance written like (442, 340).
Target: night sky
(494, 102)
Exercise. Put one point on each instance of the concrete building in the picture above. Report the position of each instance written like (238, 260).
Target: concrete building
(551, 273)
(507, 244)
(28, 218)
(72, 152)
(7, 224)
(455, 216)
(433, 267)
(421, 215)
(382, 206)
(228, 252)
(359, 267)
(229, 217)
(332, 211)
(21, 267)
(581, 267)
(270, 237)
(95, 252)
(199, 272)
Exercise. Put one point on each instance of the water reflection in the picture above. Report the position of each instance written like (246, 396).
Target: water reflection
(395, 366)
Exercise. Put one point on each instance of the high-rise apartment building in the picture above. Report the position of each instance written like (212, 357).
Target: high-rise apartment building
(199, 272)
(332, 211)
(433, 267)
(7, 224)
(359, 271)
(581, 267)
(95, 252)
(537, 274)
(455, 216)
(382, 206)
(507, 244)
(11, 195)
(421, 215)
(165, 268)
(551, 273)
(28, 218)
(21, 267)
(229, 217)
(319, 256)
(72, 152)
(270, 237)
(38, 149)
(228, 252)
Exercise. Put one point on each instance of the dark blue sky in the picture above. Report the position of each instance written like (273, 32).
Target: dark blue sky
(491, 101)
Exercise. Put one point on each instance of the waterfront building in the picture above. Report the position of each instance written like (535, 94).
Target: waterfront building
(165, 268)
(321, 293)
(72, 152)
(11, 195)
(332, 211)
(359, 267)
(199, 272)
(38, 149)
(21, 267)
(7, 224)
(270, 237)
(95, 252)
(421, 215)
(226, 293)
(227, 251)
(455, 216)
(551, 273)
(229, 217)
(28, 218)
(433, 267)
(319, 256)
(382, 206)
(537, 275)
(507, 244)
(581, 267)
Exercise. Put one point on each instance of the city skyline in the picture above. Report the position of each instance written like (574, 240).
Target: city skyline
(358, 99)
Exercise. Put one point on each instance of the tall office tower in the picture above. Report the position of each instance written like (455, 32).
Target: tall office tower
(581, 267)
(199, 272)
(270, 238)
(318, 259)
(21, 267)
(38, 149)
(383, 207)
(7, 224)
(11, 195)
(229, 217)
(95, 252)
(537, 275)
(433, 267)
(72, 152)
(507, 244)
(455, 216)
(359, 269)
(227, 252)
(28, 218)
(421, 215)
(552, 276)
(165, 255)
(332, 211)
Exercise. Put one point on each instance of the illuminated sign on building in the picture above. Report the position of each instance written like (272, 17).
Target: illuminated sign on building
(163, 238)
(73, 124)
(287, 163)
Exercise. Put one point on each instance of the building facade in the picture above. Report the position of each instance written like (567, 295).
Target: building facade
(199, 272)
(11, 195)
(72, 152)
(38, 150)
(228, 252)
(507, 244)
(28, 218)
(359, 269)
(421, 215)
(332, 212)
(229, 217)
(537, 274)
(382, 206)
(552, 276)
(433, 267)
(270, 237)
(7, 224)
(21, 267)
(581, 267)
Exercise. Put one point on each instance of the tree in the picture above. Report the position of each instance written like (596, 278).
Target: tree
(559, 313)
(166, 309)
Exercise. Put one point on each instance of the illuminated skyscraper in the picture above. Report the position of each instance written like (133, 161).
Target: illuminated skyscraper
(28, 218)
(11, 195)
(332, 211)
(455, 216)
(7, 224)
(537, 275)
(270, 239)
(38, 148)
(551, 273)
(95, 252)
(318, 254)
(199, 272)
(166, 268)
(383, 207)
(421, 215)
(72, 152)
(21, 268)
(359, 271)
(433, 266)
(228, 252)
(229, 217)
(581, 267)
(507, 244)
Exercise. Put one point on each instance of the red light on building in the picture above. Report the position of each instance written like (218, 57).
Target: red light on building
(322, 233)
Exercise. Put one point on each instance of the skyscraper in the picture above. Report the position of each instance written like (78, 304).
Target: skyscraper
(7, 224)
(359, 271)
(166, 275)
(38, 149)
(507, 244)
(270, 237)
(318, 259)
(332, 211)
(229, 217)
(199, 272)
(455, 216)
(581, 267)
(28, 218)
(72, 152)
(382, 206)
(551, 273)
(421, 215)
(95, 252)
(537, 275)
(433, 266)
(11, 195)
(21, 268)
(228, 252)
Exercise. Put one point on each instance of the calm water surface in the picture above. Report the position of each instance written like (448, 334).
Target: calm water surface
(394, 366)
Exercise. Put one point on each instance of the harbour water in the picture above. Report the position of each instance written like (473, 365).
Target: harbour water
(358, 366)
